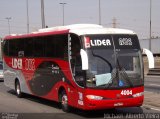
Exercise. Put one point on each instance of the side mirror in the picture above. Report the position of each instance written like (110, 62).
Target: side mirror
(150, 58)
(84, 58)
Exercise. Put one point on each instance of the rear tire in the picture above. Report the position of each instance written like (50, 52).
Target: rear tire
(64, 101)
(18, 89)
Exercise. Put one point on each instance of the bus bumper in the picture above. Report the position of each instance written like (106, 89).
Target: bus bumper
(109, 104)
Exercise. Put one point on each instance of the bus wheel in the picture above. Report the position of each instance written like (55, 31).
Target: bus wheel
(18, 89)
(64, 102)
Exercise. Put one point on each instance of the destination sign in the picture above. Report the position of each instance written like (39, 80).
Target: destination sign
(126, 42)
(98, 41)
(109, 41)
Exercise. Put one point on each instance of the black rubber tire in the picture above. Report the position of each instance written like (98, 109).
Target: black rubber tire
(18, 89)
(64, 101)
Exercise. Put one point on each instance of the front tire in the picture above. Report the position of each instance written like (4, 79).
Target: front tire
(18, 89)
(64, 101)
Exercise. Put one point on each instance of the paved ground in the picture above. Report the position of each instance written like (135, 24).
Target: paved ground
(152, 92)
(152, 100)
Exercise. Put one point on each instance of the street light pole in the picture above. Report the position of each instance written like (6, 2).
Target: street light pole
(42, 14)
(63, 10)
(27, 17)
(99, 12)
(8, 19)
(150, 26)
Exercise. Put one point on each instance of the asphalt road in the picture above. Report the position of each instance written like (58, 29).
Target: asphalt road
(152, 84)
(33, 107)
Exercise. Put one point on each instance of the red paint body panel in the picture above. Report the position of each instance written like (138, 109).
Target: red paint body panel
(108, 104)
(111, 98)
(28, 74)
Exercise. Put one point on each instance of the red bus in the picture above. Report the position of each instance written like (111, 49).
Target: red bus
(84, 66)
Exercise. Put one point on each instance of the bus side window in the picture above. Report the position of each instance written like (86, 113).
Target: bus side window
(6, 47)
(28, 47)
(76, 63)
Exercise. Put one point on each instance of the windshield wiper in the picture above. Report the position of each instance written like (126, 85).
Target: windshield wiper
(123, 73)
(118, 75)
(103, 60)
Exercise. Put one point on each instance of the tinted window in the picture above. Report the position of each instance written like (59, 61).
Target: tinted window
(28, 47)
(15, 47)
(12, 48)
(38, 49)
(61, 46)
(6, 47)
(48, 46)
(56, 46)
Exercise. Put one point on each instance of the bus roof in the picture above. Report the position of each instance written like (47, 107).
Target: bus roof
(79, 29)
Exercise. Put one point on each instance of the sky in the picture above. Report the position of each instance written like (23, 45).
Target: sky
(129, 14)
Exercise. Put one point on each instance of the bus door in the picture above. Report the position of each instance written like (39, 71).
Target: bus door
(76, 68)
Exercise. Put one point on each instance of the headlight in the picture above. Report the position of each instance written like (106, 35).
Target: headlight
(94, 97)
(138, 94)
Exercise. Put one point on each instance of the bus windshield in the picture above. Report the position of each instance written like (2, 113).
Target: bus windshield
(114, 61)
